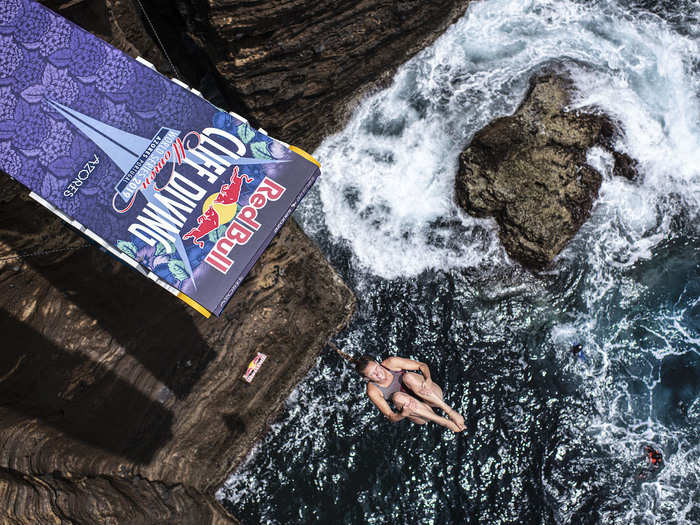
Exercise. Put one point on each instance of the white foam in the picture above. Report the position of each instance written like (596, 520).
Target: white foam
(390, 174)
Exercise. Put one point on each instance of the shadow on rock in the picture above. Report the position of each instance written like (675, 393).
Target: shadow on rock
(234, 423)
(75, 395)
(147, 322)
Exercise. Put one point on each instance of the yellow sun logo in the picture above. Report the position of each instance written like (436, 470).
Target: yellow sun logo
(226, 212)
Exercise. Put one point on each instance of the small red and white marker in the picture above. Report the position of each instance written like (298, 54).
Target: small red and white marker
(254, 366)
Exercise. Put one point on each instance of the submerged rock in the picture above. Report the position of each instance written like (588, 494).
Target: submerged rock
(529, 172)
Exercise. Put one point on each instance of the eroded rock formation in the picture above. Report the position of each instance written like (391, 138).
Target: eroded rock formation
(120, 404)
(102, 500)
(103, 376)
(296, 67)
(529, 172)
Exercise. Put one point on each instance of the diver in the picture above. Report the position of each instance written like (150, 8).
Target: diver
(577, 351)
(654, 456)
(412, 394)
(393, 379)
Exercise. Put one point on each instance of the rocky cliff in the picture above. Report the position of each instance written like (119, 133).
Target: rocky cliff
(297, 67)
(529, 171)
(119, 404)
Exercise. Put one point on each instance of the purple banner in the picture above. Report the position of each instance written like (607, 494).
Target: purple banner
(191, 193)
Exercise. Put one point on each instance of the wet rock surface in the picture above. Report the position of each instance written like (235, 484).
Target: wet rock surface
(120, 404)
(529, 171)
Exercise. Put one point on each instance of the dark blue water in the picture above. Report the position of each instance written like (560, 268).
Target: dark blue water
(550, 439)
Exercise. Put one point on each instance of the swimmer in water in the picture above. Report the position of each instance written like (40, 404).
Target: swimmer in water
(654, 462)
(654, 456)
(577, 351)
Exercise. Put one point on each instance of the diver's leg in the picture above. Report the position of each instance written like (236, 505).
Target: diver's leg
(421, 410)
(433, 396)
(420, 420)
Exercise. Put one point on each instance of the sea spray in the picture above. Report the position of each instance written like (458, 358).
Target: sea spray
(550, 439)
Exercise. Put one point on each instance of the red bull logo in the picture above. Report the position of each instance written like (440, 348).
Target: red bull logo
(254, 366)
(246, 223)
(229, 193)
(219, 208)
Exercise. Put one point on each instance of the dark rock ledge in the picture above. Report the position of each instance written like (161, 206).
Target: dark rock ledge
(118, 403)
(529, 171)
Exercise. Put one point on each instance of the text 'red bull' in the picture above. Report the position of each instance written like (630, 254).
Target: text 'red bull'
(244, 225)
(210, 220)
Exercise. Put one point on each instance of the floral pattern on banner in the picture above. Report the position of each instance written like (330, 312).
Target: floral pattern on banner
(43, 58)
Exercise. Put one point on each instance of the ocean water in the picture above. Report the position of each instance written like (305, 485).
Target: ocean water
(550, 439)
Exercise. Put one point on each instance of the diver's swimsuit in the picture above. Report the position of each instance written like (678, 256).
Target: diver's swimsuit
(395, 386)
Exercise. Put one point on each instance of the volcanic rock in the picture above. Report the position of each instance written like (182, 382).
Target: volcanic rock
(529, 171)
(296, 68)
